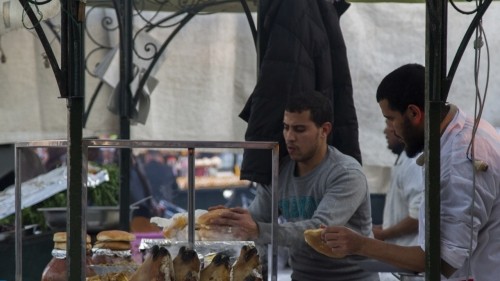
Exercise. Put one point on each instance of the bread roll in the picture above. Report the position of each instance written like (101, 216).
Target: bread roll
(209, 232)
(176, 227)
(115, 235)
(113, 245)
(63, 246)
(173, 227)
(61, 237)
(313, 238)
(178, 223)
(207, 217)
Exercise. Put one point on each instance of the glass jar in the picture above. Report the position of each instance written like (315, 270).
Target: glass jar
(56, 268)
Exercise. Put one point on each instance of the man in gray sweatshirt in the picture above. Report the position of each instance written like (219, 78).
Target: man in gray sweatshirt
(318, 185)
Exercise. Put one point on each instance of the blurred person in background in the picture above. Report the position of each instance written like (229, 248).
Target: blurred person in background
(141, 196)
(403, 199)
(161, 176)
(108, 155)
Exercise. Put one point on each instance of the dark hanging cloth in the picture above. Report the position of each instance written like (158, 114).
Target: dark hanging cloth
(305, 51)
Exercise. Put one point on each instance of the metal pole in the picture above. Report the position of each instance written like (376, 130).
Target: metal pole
(125, 16)
(18, 216)
(274, 213)
(191, 198)
(436, 26)
(76, 225)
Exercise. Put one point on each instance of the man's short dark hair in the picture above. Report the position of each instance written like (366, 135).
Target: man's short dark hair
(403, 86)
(319, 105)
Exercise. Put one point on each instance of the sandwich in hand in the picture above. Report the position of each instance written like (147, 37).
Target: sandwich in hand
(313, 238)
(208, 231)
(176, 227)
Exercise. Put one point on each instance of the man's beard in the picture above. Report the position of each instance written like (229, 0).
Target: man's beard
(413, 138)
(397, 148)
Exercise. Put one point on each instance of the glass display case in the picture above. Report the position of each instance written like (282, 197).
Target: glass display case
(76, 218)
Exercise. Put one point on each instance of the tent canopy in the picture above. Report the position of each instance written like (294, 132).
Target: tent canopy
(210, 70)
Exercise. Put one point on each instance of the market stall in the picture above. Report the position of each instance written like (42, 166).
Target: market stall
(352, 30)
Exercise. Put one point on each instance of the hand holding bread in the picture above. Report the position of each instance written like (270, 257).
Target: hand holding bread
(241, 222)
(314, 239)
(218, 223)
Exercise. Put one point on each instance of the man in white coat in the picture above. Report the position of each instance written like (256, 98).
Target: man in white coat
(403, 199)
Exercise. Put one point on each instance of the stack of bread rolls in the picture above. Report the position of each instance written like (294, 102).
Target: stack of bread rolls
(112, 247)
(56, 269)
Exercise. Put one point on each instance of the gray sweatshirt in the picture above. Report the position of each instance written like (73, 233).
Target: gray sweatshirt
(334, 193)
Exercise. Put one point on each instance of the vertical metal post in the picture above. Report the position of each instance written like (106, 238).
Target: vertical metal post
(274, 213)
(75, 215)
(125, 17)
(436, 26)
(18, 216)
(191, 198)
(76, 223)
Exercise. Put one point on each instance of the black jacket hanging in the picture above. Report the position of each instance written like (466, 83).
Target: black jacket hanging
(305, 51)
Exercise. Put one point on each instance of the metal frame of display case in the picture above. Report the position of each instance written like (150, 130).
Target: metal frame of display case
(76, 215)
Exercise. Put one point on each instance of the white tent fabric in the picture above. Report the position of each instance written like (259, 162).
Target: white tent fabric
(381, 37)
(9, 9)
(210, 70)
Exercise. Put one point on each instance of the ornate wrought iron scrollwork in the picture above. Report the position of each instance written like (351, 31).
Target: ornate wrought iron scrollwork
(108, 24)
(148, 13)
